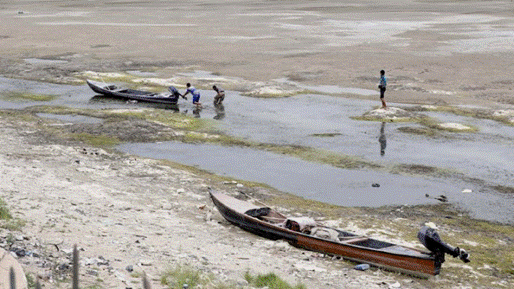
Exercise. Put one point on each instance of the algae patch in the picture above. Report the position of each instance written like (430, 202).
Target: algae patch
(25, 96)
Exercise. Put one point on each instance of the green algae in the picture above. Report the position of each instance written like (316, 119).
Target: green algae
(26, 96)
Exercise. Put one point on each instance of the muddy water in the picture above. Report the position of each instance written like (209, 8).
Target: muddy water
(324, 122)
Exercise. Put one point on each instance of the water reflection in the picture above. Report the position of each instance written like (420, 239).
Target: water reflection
(196, 111)
(382, 139)
(220, 111)
(105, 99)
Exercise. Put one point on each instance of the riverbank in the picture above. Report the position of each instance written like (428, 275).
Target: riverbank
(132, 215)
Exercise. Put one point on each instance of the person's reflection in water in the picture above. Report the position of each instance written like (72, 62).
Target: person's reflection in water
(382, 139)
(220, 111)
(196, 111)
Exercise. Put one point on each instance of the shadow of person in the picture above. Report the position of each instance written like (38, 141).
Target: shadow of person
(382, 139)
(220, 111)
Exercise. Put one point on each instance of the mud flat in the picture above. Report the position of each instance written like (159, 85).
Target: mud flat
(432, 51)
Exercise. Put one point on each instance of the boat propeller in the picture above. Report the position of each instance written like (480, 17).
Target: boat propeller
(432, 241)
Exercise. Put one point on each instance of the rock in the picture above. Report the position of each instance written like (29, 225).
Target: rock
(92, 272)
(362, 267)
(145, 262)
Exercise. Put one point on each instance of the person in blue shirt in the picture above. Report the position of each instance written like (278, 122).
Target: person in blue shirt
(382, 86)
(194, 92)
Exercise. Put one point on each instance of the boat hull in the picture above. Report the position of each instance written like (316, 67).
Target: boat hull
(366, 250)
(129, 94)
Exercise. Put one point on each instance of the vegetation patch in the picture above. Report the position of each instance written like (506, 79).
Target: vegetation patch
(95, 140)
(504, 189)
(449, 127)
(4, 211)
(415, 169)
(187, 277)
(503, 116)
(426, 131)
(21, 96)
(271, 281)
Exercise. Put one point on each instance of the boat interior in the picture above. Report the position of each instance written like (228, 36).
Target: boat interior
(308, 226)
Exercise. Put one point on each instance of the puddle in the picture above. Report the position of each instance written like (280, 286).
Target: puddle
(71, 118)
(318, 181)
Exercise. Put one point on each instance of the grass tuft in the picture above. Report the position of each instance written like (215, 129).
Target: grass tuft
(4, 211)
(271, 281)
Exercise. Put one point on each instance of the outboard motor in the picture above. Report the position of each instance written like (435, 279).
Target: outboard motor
(174, 93)
(172, 89)
(431, 240)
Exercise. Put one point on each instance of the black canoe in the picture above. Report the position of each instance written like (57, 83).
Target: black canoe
(271, 224)
(114, 91)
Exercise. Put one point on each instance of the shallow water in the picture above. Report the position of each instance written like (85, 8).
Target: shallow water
(323, 182)
(324, 122)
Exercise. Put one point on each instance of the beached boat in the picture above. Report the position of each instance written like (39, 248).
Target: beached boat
(306, 233)
(114, 91)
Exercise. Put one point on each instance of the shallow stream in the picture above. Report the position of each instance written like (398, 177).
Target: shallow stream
(324, 122)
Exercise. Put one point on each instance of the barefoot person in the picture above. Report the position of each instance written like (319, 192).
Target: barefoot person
(220, 94)
(382, 86)
(194, 92)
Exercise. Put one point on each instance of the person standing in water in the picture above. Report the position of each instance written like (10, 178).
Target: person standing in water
(220, 94)
(194, 92)
(382, 86)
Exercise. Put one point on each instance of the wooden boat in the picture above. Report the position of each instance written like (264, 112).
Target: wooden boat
(271, 224)
(114, 91)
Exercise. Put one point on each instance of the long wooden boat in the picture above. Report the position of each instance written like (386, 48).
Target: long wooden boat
(271, 224)
(114, 91)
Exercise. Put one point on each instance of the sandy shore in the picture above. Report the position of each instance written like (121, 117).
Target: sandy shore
(126, 212)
